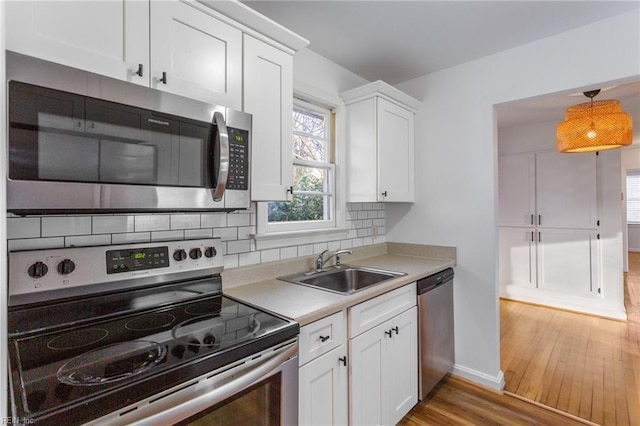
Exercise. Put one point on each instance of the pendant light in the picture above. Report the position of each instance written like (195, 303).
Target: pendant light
(594, 126)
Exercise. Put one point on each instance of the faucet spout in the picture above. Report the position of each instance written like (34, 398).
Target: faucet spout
(321, 261)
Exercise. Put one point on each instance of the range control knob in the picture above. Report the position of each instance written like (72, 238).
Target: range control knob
(210, 252)
(66, 267)
(37, 270)
(195, 253)
(179, 255)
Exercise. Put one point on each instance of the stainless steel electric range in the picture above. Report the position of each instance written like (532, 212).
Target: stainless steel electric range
(142, 334)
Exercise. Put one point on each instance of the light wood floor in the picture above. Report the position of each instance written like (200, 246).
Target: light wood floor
(583, 365)
(457, 402)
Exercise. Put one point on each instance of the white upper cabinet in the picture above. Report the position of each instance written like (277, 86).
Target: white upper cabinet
(516, 189)
(380, 144)
(107, 37)
(566, 190)
(194, 54)
(268, 96)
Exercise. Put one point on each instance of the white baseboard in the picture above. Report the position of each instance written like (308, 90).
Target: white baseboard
(493, 382)
(591, 305)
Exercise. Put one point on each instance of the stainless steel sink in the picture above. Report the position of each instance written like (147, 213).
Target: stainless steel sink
(343, 279)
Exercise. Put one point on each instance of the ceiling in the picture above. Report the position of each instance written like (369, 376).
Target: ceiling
(396, 41)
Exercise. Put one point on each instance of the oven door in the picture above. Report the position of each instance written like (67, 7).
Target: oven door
(259, 390)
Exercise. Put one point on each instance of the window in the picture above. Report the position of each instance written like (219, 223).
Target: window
(312, 204)
(633, 196)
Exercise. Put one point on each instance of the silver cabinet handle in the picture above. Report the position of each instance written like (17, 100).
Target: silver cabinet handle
(218, 394)
(222, 138)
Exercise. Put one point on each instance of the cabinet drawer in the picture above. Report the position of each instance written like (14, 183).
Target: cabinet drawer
(322, 336)
(375, 311)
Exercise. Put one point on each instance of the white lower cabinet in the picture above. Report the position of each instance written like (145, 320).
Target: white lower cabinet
(323, 375)
(323, 397)
(384, 360)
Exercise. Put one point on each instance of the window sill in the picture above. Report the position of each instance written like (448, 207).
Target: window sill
(297, 238)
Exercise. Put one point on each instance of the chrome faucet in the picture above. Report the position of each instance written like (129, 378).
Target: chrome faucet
(321, 261)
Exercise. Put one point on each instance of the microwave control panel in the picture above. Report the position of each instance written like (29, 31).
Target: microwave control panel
(238, 177)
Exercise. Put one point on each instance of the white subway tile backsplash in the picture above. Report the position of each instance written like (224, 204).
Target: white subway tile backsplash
(88, 240)
(320, 247)
(235, 229)
(239, 219)
(35, 243)
(167, 235)
(270, 255)
(245, 232)
(58, 226)
(306, 250)
(241, 246)
(226, 234)
(231, 261)
(129, 238)
(112, 224)
(185, 221)
(252, 258)
(157, 222)
(288, 252)
(213, 220)
(23, 227)
(192, 234)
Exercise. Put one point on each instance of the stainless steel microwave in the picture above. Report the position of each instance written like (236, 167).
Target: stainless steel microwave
(79, 142)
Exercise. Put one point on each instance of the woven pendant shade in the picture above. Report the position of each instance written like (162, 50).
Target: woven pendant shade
(594, 126)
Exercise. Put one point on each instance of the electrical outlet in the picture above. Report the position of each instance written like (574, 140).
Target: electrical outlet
(374, 231)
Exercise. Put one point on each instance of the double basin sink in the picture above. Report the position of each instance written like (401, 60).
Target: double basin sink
(343, 279)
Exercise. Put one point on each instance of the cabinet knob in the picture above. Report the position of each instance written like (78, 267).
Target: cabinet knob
(389, 333)
(163, 80)
(384, 194)
(324, 338)
(139, 72)
(395, 329)
(343, 360)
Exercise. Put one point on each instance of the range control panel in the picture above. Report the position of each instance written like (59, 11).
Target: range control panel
(70, 271)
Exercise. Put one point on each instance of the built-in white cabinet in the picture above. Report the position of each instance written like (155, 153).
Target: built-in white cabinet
(548, 236)
(268, 95)
(548, 189)
(323, 375)
(384, 364)
(380, 144)
(108, 37)
(195, 54)
(176, 46)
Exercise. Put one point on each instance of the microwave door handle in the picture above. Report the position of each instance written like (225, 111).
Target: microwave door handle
(223, 159)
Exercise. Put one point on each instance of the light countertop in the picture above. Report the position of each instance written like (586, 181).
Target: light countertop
(305, 304)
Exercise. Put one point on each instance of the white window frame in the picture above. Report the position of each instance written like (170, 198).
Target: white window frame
(270, 236)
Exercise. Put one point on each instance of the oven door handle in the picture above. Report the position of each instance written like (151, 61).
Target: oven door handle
(222, 138)
(202, 402)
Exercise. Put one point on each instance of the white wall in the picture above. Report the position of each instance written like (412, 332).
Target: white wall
(539, 137)
(456, 162)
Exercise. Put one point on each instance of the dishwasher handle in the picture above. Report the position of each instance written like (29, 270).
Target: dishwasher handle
(435, 280)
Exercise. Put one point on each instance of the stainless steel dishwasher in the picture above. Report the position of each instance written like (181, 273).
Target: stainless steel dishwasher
(435, 312)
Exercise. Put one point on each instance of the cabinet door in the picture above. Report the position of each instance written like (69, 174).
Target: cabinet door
(362, 182)
(201, 55)
(517, 256)
(105, 37)
(566, 189)
(268, 95)
(323, 390)
(366, 370)
(516, 189)
(567, 261)
(395, 153)
(400, 369)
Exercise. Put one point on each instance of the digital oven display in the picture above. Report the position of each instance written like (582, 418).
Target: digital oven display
(137, 260)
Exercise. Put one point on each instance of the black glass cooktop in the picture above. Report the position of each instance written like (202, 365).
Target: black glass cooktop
(72, 359)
